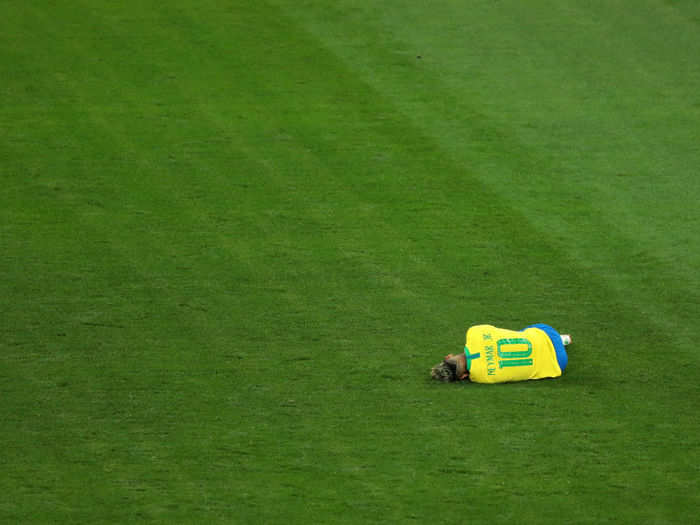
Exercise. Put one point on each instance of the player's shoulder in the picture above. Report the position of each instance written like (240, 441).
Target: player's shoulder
(483, 327)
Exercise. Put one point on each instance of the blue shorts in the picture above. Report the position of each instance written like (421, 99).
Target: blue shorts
(562, 358)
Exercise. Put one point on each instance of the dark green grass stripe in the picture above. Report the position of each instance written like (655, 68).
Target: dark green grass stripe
(110, 349)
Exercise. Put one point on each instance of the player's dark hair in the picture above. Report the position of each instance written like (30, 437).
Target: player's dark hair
(445, 372)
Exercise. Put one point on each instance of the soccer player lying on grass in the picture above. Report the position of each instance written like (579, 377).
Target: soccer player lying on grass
(496, 355)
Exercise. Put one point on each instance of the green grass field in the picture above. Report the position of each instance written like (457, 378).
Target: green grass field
(235, 236)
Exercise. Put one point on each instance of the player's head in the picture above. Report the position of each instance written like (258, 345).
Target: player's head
(445, 372)
(451, 369)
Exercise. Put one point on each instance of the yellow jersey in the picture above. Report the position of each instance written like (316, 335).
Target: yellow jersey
(496, 355)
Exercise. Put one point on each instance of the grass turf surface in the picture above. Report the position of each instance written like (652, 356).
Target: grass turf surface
(235, 238)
